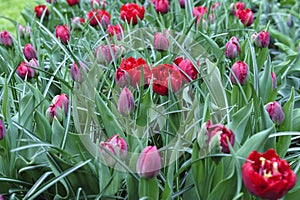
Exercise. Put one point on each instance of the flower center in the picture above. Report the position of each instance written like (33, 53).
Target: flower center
(268, 168)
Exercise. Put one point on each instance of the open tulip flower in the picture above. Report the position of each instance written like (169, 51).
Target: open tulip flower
(267, 176)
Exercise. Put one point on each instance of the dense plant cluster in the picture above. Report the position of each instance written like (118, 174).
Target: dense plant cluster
(151, 99)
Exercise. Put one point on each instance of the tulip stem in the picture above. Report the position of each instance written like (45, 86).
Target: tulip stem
(148, 188)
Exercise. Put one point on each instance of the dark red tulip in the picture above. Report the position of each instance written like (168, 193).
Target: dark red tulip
(63, 33)
(130, 12)
(40, 9)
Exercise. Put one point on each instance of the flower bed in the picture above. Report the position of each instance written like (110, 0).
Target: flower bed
(151, 99)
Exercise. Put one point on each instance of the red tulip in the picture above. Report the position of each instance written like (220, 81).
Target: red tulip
(161, 42)
(149, 162)
(240, 70)
(2, 130)
(267, 176)
(130, 72)
(235, 8)
(63, 33)
(276, 112)
(182, 3)
(161, 6)
(40, 10)
(162, 76)
(125, 102)
(73, 2)
(232, 48)
(116, 146)
(97, 17)
(188, 70)
(130, 12)
(29, 52)
(115, 30)
(6, 38)
(262, 39)
(246, 16)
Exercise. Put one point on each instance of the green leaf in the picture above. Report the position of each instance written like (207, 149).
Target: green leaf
(143, 109)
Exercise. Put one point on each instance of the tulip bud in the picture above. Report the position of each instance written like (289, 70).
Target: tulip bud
(274, 80)
(73, 2)
(27, 69)
(262, 40)
(106, 53)
(76, 73)
(289, 20)
(161, 6)
(182, 3)
(253, 37)
(40, 10)
(2, 130)
(6, 38)
(237, 7)
(149, 162)
(60, 101)
(50, 1)
(246, 16)
(97, 17)
(29, 52)
(161, 42)
(77, 22)
(63, 33)
(240, 70)
(232, 48)
(187, 69)
(21, 30)
(125, 102)
(276, 112)
(54, 111)
(98, 4)
(116, 146)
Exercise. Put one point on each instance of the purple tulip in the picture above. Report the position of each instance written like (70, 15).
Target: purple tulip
(276, 112)
(149, 162)
(125, 102)
(232, 48)
(6, 38)
(2, 130)
(29, 52)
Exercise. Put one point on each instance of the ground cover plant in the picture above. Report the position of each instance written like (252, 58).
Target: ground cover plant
(151, 100)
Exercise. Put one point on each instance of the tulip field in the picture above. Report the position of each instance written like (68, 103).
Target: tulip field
(150, 99)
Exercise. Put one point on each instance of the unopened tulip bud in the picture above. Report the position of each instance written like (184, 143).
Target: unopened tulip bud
(54, 111)
(240, 70)
(29, 52)
(161, 6)
(263, 39)
(289, 20)
(161, 42)
(77, 22)
(2, 130)
(41, 10)
(232, 48)
(6, 38)
(26, 69)
(105, 54)
(149, 162)
(125, 102)
(73, 2)
(60, 101)
(182, 3)
(76, 73)
(63, 33)
(276, 112)
(116, 146)
(274, 80)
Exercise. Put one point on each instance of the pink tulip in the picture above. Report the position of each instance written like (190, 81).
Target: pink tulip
(232, 48)
(275, 111)
(29, 52)
(149, 162)
(63, 33)
(6, 38)
(262, 39)
(240, 70)
(161, 42)
(2, 130)
(125, 102)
